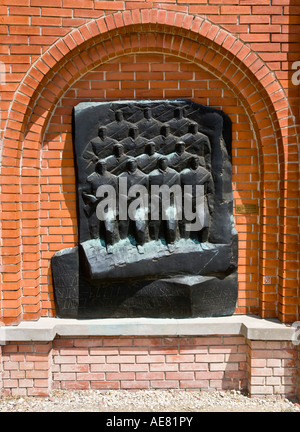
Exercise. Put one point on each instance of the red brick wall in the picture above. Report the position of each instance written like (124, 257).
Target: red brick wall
(235, 55)
(272, 368)
(209, 363)
(183, 363)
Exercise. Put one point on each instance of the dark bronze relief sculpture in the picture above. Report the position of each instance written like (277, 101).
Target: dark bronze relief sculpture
(155, 213)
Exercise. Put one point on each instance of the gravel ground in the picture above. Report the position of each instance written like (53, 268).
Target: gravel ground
(146, 401)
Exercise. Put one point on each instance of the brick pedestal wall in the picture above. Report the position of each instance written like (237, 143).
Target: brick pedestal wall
(26, 369)
(183, 363)
(272, 368)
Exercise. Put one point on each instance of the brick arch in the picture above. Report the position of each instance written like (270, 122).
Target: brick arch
(189, 36)
(186, 36)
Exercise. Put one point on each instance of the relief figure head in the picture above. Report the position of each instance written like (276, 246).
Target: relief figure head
(165, 130)
(100, 166)
(102, 132)
(193, 128)
(163, 163)
(119, 115)
(180, 147)
(118, 150)
(131, 165)
(194, 162)
(147, 113)
(133, 132)
(150, 148)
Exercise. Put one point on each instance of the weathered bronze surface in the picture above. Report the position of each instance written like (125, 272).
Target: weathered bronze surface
(146, 266)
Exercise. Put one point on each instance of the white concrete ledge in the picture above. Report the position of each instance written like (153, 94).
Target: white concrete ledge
(45, 329)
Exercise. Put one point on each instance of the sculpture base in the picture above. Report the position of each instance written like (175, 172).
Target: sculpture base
(182, 296)
(154, 260)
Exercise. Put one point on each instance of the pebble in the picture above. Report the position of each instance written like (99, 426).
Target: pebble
(146, 401)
